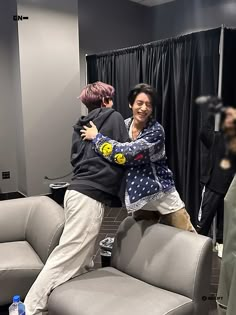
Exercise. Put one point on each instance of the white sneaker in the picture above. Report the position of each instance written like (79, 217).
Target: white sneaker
(220, 250)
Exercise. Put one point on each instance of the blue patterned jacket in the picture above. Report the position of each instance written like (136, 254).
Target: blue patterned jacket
(148, 177)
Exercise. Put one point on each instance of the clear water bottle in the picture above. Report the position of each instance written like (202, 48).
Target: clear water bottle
(17, 307)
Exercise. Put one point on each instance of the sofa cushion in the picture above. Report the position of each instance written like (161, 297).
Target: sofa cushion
(108, 291)
(19, 267)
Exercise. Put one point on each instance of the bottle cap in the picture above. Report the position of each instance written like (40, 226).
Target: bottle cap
(16, 298)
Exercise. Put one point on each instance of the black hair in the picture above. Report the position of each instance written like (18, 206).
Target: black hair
(142, 88)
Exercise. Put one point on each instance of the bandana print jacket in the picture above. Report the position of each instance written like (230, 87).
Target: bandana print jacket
(148, 177)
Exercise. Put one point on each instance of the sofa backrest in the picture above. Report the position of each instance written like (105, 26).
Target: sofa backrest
(164, 256)
(38, 220)
(14, 215)
(45, 225)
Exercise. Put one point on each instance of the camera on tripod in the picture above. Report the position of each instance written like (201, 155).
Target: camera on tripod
(214, 103)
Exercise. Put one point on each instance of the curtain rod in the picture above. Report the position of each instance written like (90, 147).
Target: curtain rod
(120, 50)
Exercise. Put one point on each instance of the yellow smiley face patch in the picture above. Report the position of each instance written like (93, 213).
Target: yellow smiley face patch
(106, 149)
(120, 158)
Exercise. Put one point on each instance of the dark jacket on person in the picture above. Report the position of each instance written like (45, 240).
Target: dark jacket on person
(92, 175)
(214, 176)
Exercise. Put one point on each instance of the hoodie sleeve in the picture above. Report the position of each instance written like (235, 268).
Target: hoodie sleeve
(77, 148)
(111, 124)
(118, 127)
(149, 148)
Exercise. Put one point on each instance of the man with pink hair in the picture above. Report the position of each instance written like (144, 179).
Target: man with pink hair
(95, 183)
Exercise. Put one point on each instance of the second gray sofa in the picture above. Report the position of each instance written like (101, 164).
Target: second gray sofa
(156, 270)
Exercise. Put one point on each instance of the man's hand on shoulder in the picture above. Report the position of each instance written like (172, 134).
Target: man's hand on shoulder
(89, 133)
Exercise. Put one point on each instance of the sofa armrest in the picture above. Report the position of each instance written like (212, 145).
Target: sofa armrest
(14, 215)
(45, 225)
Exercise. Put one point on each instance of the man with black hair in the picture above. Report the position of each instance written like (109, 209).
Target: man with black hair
(150, 189)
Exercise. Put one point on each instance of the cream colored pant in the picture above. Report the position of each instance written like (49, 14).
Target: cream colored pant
(73, 255)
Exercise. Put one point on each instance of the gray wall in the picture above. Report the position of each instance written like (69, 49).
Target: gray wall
(40, 79)
(111, 24)
(49, 76)
(8, 94)
(186, 16)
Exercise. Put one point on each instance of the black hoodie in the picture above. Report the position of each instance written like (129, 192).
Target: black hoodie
(93, 175)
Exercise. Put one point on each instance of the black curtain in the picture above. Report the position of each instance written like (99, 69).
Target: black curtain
(122, 69)
(180, 69)
(229, 68)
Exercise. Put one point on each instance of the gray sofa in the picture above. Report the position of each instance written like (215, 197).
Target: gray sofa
(155, 270)
(30, 228)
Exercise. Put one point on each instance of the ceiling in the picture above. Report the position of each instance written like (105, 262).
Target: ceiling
(151, 3)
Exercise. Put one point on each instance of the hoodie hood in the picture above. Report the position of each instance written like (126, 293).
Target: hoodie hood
(98, 116)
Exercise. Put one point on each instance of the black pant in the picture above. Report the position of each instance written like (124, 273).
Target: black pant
(212, 203)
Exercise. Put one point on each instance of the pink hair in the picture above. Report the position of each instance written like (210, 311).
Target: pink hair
(92, 94)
